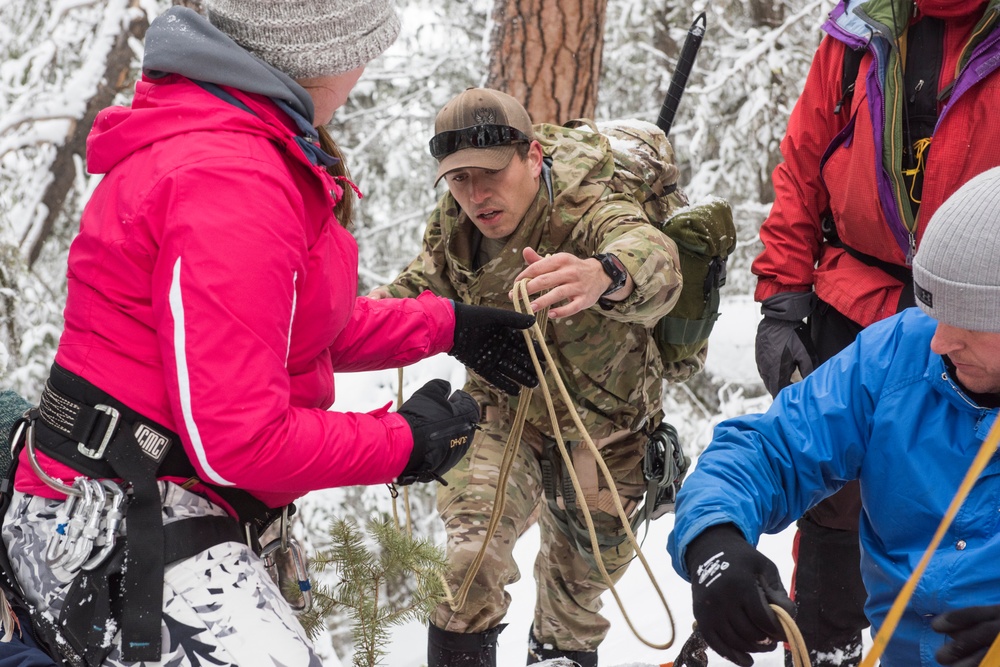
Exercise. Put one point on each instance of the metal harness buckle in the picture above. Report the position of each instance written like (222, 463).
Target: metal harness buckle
(108, 433)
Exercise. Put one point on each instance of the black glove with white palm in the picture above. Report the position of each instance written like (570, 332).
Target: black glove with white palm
(489, 341)
(783, 342)
(971, 630)
(732, 586)
(442, 430)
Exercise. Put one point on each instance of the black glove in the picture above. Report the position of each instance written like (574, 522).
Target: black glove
(783, 341)
(490, 342)
(732, 585)
(442, 431)
(972, 631)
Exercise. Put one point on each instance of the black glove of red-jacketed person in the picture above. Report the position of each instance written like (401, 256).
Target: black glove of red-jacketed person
(971, 631)
(489, 341)
(732, 586)
(442, 429)
(783, 344)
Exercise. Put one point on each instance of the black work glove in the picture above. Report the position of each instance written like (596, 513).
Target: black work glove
(972, 631)
(783, 342)
(442, 431)
(732, 585)
(490, 342)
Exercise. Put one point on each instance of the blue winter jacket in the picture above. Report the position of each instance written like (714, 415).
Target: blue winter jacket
(886, 412)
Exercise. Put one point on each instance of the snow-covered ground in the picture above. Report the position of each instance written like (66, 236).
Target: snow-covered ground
(731, 358)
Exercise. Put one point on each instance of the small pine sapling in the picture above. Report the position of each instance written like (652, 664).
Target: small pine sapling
(366, 567)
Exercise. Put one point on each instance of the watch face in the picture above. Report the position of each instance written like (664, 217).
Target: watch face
(613, 267)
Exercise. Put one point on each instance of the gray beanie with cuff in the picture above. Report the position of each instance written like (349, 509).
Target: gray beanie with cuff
(956, 272)
(308, 38)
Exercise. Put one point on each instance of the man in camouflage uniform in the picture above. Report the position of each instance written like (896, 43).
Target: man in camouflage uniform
(538, 203)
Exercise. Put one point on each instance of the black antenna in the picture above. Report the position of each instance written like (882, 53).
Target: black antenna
(679, 80)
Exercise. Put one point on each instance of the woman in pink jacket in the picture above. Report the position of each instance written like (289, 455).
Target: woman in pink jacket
(212, 295)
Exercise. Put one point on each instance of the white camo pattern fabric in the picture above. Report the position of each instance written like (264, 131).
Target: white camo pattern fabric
(220, 607)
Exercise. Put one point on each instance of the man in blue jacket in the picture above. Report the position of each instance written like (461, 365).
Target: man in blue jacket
(904, 410)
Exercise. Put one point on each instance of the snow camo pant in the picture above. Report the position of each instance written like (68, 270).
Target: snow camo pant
(568, 588)
(220, 607)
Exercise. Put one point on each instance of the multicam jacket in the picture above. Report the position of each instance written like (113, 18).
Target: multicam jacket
(607, 359)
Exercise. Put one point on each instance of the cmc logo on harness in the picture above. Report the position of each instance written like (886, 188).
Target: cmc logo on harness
(458, 442)
(153, 444)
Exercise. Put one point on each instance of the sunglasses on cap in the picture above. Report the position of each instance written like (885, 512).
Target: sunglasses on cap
(477, 136)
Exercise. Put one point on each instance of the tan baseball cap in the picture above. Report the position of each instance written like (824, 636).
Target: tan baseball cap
(479, 128)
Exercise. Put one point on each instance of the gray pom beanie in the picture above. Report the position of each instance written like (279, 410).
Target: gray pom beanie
(956, 272)
(308, 38)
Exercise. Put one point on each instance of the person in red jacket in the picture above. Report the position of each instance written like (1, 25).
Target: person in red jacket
(893, 119)
(212, 294)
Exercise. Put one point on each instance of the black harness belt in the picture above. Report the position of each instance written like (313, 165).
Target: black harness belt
(97, 435)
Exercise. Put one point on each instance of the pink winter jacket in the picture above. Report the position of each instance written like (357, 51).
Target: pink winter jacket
(212, 290)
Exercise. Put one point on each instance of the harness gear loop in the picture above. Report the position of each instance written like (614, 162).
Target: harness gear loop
(986, 451)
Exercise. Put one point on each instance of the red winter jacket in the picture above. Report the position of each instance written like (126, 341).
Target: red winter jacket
(212, 290)
(833, 162)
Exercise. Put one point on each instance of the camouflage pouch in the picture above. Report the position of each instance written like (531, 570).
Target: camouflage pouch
(705, 236)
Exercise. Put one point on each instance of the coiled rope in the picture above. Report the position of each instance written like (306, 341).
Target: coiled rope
(522, 304)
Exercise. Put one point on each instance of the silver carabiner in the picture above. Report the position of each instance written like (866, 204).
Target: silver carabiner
(57, 541)
(278, 560)
(29, 441)
(112, 521)
(91, 528)
(77, 521)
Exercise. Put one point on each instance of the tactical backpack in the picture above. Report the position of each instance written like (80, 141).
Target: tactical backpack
(704, 234)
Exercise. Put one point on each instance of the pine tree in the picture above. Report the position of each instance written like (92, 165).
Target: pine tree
(367, 568)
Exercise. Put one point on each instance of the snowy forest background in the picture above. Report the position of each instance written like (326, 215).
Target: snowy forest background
(63, 60)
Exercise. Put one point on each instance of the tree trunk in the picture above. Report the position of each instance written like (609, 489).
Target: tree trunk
(547, 54)
(116, 78)
(767, 13)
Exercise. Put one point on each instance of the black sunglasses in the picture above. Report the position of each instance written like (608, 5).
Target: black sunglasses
(478, 136)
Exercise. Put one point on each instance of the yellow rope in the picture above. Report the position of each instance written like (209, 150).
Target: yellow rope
(986, 451)
(920, 147)
(992, 657)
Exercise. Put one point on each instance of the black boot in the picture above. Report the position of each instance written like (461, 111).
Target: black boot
(459, 649)
(537, 652)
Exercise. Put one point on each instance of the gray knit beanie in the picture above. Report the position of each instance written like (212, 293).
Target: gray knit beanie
(308, 38)
(956, 272)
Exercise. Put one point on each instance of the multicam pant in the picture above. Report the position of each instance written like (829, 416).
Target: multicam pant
(568, 587)
(220, 607)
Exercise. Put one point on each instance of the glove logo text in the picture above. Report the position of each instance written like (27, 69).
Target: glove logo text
(711, 569)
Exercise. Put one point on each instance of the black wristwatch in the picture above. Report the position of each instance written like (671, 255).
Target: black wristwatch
(616, 271)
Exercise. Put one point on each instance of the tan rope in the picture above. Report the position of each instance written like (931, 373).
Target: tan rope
(983, 457)
(457, 601)
(406, 489)
(522, 303)
(796, 643)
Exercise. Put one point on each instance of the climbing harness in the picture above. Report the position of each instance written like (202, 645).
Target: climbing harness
(103, 440)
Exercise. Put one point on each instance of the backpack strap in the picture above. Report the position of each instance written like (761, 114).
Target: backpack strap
(850, 66)
(903, 274)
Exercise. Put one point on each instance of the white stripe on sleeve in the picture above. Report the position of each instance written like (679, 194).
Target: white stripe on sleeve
(183, 379)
